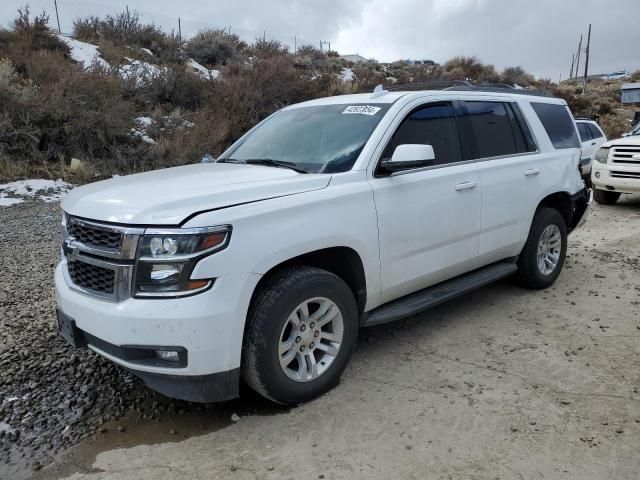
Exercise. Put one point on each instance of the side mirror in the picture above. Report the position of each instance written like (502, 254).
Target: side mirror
(409, 156)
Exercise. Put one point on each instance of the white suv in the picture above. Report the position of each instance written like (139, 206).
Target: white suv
(616, 169)
(591, 138)
(327, 216)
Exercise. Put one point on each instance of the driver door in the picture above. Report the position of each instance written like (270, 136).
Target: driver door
(428, 217)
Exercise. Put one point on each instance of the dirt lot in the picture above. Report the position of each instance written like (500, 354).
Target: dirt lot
(504, 383)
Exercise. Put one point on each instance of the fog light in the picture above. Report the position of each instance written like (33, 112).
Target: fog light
(168, 355)
(597, 174)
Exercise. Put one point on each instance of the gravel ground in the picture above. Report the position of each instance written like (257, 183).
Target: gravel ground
(504, 383)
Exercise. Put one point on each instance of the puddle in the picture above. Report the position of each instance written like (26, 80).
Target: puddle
(182, 421)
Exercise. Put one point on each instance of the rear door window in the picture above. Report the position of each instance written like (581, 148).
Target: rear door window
(495, 130)
(558, 124)
(585, 133)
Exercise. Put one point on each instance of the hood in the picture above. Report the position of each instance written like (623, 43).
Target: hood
(624, 141)
(168, 196)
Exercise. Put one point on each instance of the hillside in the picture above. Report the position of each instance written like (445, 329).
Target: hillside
(122, 96)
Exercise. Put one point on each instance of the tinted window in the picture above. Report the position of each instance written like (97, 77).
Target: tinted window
(521, 132)
(595, 131)
(492, 128)
(558, 124)
(433, 125)
(584, 132)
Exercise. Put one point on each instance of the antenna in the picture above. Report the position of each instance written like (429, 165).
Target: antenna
(379, 91)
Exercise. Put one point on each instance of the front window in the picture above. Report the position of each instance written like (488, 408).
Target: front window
(321, 139)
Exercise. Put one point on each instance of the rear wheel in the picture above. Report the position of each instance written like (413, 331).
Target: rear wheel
(301, 332)
(605, 197)
(542, 257)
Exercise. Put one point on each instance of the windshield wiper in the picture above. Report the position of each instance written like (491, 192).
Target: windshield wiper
(275, 163)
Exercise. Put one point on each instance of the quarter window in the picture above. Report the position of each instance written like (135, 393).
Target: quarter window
(433, 125)
(558, 124)
(595, 131)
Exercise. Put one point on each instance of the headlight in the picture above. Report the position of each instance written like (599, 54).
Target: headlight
(166, 258)
(601, 155)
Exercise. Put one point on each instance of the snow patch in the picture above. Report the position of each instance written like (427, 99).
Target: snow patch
(203, 71)
(46, 190)
(141, 72)
(84, 53)
(147, 51)
(347, 75)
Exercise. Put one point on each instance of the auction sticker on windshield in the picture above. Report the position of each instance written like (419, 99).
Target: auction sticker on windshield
(362, 109)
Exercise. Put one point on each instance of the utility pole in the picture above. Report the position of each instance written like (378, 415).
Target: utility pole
(586, 63)
(578, 57)
(55, 3)
(573, 61)
(179, 31)
(295, 45)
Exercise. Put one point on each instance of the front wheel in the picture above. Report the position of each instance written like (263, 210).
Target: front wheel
(542, 257)
(605, 197)
(301, 332)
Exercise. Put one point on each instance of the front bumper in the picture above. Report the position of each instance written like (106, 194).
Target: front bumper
(602, 179)
(208, 327)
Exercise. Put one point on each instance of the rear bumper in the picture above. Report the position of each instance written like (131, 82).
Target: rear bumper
(580, 205)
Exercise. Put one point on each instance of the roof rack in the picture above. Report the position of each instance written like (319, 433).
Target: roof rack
(465, 86)
(593, 118)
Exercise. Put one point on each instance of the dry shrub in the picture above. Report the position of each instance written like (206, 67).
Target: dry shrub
(214, 47)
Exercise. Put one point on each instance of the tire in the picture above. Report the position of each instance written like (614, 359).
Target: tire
(530, 272)
(605, 197)
(270, 329)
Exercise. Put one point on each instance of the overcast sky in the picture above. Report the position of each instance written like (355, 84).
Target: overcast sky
(540, 35)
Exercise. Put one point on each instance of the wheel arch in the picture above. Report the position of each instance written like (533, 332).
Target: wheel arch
(560, 201)
(343, 262)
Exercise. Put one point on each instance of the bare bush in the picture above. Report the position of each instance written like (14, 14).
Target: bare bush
(214, 47)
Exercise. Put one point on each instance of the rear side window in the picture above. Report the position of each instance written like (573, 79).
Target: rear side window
(585, 133)
(595, 131)
(497, 130)
(433, 125)
(558, 124)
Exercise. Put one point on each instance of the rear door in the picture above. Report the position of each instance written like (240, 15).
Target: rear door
(505, 154)
(429, 217)
(588, 144)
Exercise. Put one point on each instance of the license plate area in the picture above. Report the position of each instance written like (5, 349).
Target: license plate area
(69, 331)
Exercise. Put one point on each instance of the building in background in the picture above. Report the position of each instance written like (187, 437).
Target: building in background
(630, 93)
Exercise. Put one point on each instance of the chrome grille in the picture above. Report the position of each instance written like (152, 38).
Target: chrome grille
(624, 155)
(99, 257)
(91, 234)
(92, 277)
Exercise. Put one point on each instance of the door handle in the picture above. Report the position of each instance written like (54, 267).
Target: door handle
(593, 143)
(531, 172)
(466, 186)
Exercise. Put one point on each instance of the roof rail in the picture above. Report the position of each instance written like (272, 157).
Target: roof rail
(430, 85)
(465, 86)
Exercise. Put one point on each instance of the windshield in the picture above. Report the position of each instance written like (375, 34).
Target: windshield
(321, 139)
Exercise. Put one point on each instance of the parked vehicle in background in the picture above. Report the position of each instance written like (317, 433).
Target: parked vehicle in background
(634, 131)
(616, 169)
(329, 215)
(591, 138)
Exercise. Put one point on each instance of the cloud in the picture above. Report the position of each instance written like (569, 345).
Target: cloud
(540, 35)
